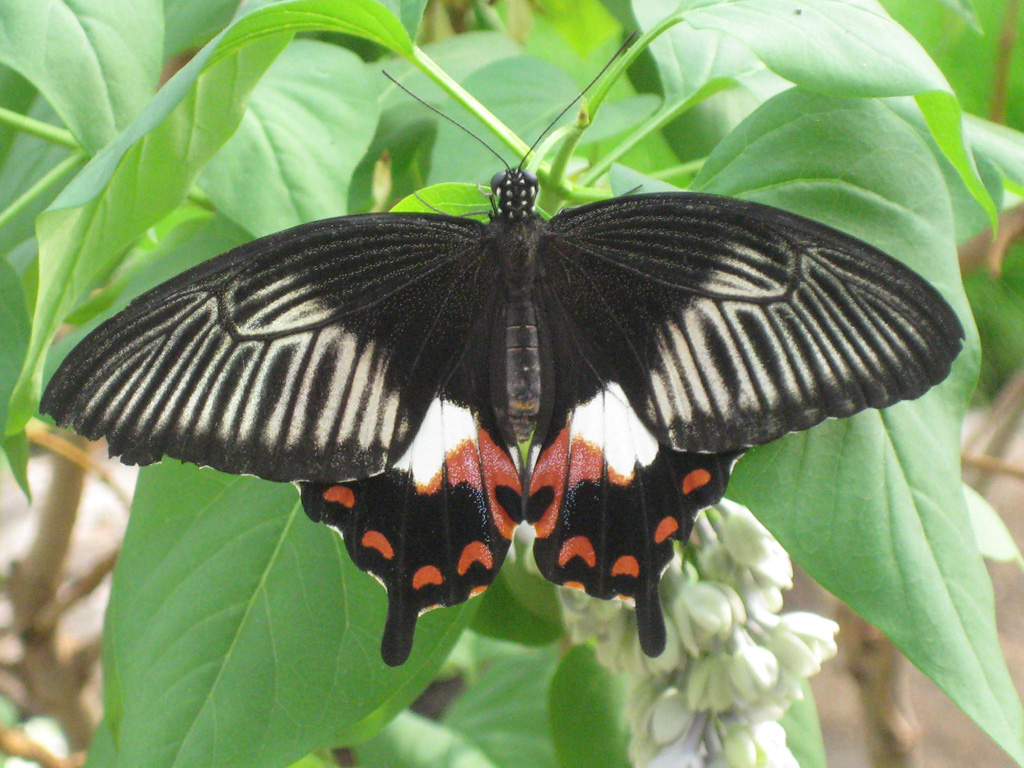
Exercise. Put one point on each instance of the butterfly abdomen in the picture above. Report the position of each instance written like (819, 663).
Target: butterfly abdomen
(522, 364)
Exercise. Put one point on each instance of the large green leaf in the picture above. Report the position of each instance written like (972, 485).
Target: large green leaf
(499, 722)
(872, 506)
(95, 61)
(307, 125)
(838, 47)
(240, 634)
(587, 705)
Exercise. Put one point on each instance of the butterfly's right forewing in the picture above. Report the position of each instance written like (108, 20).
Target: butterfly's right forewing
(311, 354)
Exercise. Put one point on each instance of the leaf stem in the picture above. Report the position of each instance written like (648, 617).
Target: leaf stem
(38, 128)
(51, 177)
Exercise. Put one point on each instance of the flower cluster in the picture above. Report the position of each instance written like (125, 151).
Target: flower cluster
(732, 665)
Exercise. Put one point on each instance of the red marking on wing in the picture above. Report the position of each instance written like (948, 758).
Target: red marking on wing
(428, 574)
(478, 590)
(626, 565)
(696, 479)
(340, 494)
(432, 486)
(665, 528)
(464, 465)
(578, 546)
(377, 540)
(586, 461)
(498, 469)
(550, 471)
(574, 585)
(475, 552)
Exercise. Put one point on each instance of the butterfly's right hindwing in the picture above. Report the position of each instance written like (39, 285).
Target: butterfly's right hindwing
(311, 354)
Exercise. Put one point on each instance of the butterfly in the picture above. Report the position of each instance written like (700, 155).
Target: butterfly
(430, 382)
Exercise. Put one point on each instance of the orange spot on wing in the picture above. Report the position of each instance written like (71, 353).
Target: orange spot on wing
(574, 585)
(478, 590)
(498, 469)
(475, 552)
(550, 471)
(340, 494)
(377, 540)
(626, 565)
(665, 528)
(696, 479)
(578, 546)
(428, 574)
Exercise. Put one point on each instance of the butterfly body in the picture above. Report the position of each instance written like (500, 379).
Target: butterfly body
(392, 364)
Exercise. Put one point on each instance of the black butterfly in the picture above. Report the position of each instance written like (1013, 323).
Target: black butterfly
(391, 364)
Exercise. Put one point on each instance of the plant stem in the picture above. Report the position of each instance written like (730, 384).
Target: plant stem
(51, 177)
(463, 97)
(554, 193)
(683, 169)
(38, 128)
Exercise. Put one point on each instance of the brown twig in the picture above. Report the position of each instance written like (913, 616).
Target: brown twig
(75, 590)
(983, 251)
(993, 466)
(1004, 61)
(56, 443)
(54, 684)
(16, 743)
(994, 435)
(880, 673)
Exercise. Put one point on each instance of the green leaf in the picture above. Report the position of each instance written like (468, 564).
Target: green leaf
(96, 61)
(587, 703)
(240, 634)
(803, 731)
(872, 506)
(364, 18)
(505, 616)
(452, 198)
(499, 722)
(14, 337)
(994, 539)
(307, 125)
(191, 23)
(28, 160)
(15, 451)
(836, 47)
(1001, 146)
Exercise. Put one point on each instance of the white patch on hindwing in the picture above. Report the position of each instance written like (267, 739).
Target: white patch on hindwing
(609, 422)
(444, 427)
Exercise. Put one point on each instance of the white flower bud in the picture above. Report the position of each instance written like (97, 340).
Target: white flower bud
(817, 632)
(706, 613)
(753, 672)
(770, 738)
(707, 685)
(738, 747)
(670, 717)
(793, 654)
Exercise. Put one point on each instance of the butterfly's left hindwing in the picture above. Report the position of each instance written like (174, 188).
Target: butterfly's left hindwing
(435, 527)
(607, 502)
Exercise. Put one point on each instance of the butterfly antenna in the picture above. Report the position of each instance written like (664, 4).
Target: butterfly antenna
(450, 119)
(622, 48)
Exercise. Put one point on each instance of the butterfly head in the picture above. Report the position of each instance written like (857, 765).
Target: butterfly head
(515, 194)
